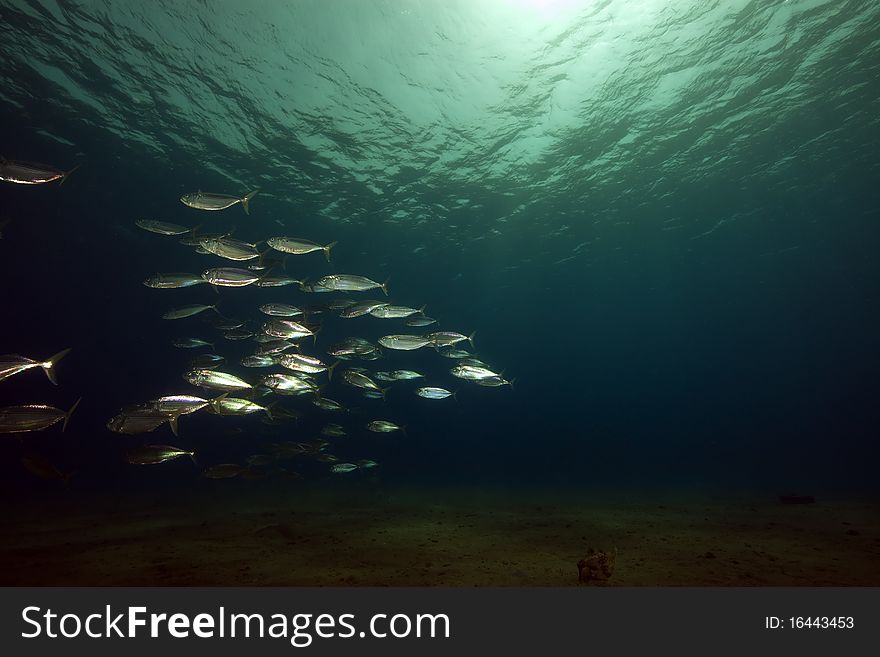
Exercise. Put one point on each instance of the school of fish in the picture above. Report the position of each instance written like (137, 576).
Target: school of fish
(274, 362)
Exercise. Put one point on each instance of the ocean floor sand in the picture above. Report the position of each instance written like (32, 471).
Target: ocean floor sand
(225, 533)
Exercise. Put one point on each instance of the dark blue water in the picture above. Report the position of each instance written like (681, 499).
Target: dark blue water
(686, 296)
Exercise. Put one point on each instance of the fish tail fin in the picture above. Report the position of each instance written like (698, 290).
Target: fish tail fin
(67, 173)
(246, 200)
(262, 259)
(49, 365)
(384, 286)
(422, 309)
(330, 370)
(384, 392)
(192, 456)
(303, 284)
(218, 399)
(510, 383)
(403, 430)
(172, 422)
(327, 249)
(471, 339)
(195, 229)
(67, 476)
(455, 394)
(268, 412)
(69, 413)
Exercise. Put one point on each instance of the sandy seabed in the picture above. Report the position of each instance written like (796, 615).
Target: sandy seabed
(225, 533)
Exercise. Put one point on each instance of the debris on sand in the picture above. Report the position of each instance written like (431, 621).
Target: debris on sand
(597, 567)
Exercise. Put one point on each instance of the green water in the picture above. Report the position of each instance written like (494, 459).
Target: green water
(661, 217)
